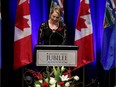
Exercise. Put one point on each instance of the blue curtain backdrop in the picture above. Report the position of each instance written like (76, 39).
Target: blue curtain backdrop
(40, 12)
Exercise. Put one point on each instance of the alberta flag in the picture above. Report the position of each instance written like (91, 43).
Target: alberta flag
(22, 35)
(60, 3)
(84, 35)
(108, 58)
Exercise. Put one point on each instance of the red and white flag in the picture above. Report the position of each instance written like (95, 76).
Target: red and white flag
(84, 35)
(22, 35)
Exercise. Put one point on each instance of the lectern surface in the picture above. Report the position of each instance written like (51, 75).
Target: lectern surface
(56, 47)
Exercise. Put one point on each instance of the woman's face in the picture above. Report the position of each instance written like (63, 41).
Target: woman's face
(55, 17)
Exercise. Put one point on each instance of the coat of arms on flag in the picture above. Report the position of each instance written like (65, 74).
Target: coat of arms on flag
(60, 3)
(110, 13)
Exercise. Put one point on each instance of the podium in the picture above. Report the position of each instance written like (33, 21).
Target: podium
(56, 55)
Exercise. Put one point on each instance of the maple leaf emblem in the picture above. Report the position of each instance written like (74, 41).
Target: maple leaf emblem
(22, 12)
(84, 10)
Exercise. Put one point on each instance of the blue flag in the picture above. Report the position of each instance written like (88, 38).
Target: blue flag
(109, 14)
(108, 58)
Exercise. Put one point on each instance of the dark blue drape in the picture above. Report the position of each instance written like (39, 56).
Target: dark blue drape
(40, 13)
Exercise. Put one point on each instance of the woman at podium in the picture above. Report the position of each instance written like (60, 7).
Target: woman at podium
(53, 31)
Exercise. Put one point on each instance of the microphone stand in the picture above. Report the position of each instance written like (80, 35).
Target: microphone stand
(53, 31)
(62, 37)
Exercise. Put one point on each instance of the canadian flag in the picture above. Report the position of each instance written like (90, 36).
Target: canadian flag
(84, 35)
(22, 35)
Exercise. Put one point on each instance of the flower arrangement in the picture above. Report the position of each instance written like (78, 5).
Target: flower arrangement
(54, 77)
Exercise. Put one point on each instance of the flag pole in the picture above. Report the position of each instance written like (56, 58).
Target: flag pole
(22, 77)
(83, 76)
(109, 77)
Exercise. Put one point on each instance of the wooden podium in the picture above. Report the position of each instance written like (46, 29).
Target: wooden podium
(56, 55)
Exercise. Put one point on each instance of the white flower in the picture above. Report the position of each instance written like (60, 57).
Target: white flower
(64, 77)
(37, 85)
(67, 84)
(40, 81)
(52, 80)
(76, 77)
(58, 85)
(54, 85)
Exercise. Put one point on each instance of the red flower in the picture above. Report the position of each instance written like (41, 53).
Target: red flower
(39, 75)
(59, 29)
(61, 83)
(45, 84)
(68, 73)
